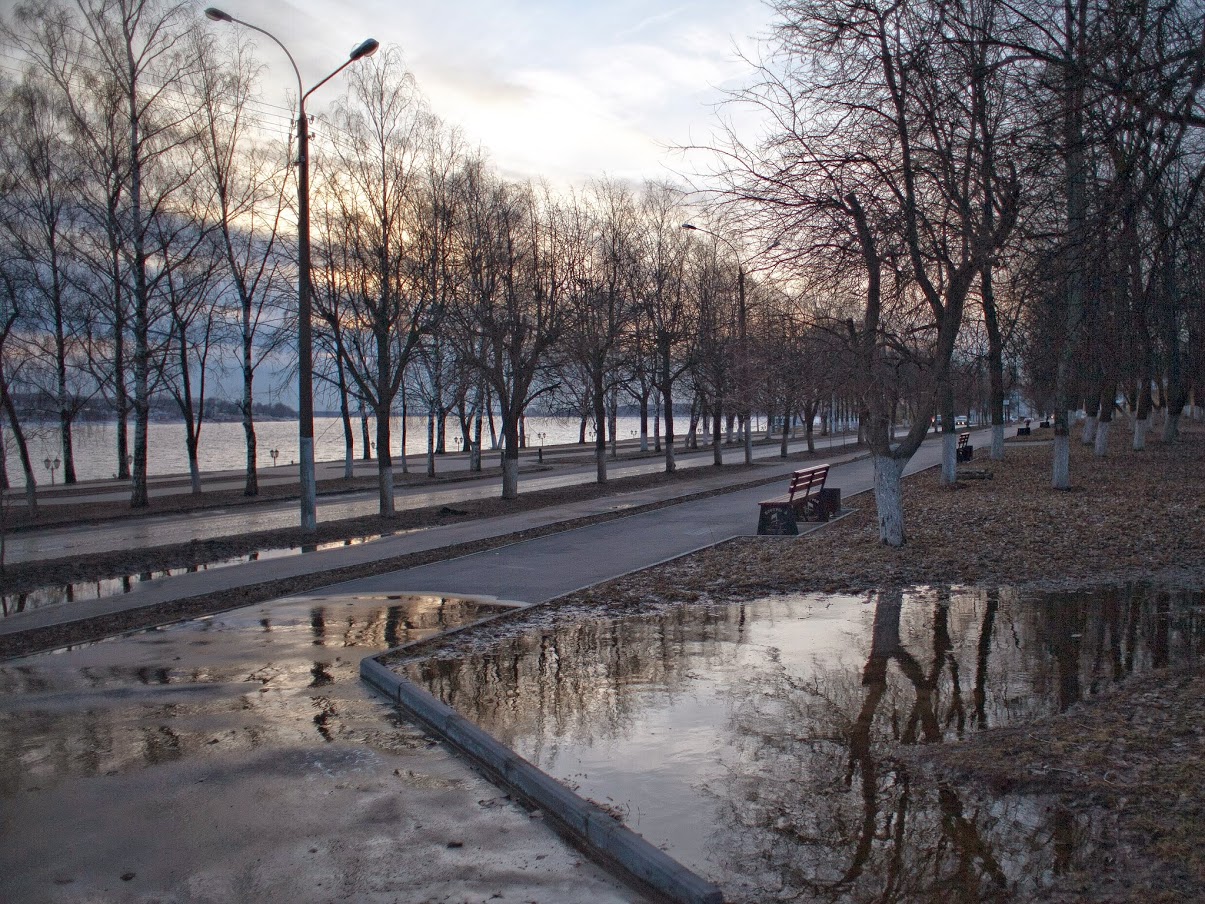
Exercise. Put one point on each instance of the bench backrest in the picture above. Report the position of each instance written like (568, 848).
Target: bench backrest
(808, 481)
(963, 439)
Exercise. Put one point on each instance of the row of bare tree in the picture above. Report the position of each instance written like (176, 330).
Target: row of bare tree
(998, 187)
(1025, 168)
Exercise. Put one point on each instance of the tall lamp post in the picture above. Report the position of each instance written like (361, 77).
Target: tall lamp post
(742, 335)
(305, 340)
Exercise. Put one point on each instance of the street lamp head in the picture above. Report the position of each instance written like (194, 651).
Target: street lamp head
(366, 49)
(691, 226)
(216, 15)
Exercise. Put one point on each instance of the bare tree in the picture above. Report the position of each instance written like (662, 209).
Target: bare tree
(660, 291)
(514, 310)
(39, 211)
(600, 304)
(249, 183)
(377, 188)
(878, 172)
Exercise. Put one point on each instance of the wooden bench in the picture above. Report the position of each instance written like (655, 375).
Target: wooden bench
(965, 451)
(804, 499)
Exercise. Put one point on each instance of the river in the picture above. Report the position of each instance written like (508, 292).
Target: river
(223, 448)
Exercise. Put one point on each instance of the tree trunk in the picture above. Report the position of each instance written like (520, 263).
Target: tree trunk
(1104, 420)
(349, 435)
(600, 419)
(1061, 479)
(644, 422)
(1091, 412)
(251, 482)
(949, 438)
(384, 464)
(717, 453)
(475, 450)
(1142, 412)
(510, 474)
(888, 498)
(31, 482)
(431, 440)
(405, 429)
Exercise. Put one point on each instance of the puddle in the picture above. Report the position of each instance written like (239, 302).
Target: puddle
(265, 677)
(58, 594)
(753, 742)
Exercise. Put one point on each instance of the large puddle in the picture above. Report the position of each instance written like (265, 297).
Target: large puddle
(754, 742)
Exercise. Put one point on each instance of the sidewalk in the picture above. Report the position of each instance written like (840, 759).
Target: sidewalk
(563, 467)
(724, 519)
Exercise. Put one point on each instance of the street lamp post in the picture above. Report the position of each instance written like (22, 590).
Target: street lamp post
(305, 341)
(52, 466)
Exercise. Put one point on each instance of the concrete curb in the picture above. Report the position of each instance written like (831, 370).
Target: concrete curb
(587, 825)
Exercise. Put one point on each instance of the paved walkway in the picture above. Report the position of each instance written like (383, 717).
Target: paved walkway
(528, 572)
(565, 466)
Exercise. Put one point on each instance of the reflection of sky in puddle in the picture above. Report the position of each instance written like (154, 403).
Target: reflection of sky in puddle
(755, 742)
(264, 676)
(55, 595)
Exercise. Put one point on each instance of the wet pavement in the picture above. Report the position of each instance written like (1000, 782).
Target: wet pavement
(239, 758)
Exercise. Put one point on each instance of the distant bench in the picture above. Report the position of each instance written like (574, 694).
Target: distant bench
(806, 497)
(965, 451)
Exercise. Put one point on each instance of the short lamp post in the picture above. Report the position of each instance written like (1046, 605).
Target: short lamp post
(305, 342)
(52, 465)
(541, 455)
(275, 453)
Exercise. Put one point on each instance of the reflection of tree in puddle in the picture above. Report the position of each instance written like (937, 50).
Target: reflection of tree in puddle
(817, 804)
(816, 800)
(221, 687)
(581, 679)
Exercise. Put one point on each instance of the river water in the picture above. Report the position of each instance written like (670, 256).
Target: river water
(223, 447)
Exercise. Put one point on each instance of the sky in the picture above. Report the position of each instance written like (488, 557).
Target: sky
(556, 89)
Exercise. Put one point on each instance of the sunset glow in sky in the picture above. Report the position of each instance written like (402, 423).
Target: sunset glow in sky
(554, 88)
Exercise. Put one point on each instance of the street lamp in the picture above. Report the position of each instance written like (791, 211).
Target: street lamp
(305, 342)
(275, 453)
(52, 466)
(541, 455)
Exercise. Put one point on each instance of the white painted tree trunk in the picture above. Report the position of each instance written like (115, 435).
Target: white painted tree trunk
(1101, 448)
(1089, 435)
(1141, 425)
(385, 477)
(1171, 427)
(949, 459)
(997, 442)
(1062, 463)
(889, 500)
(510, 478)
